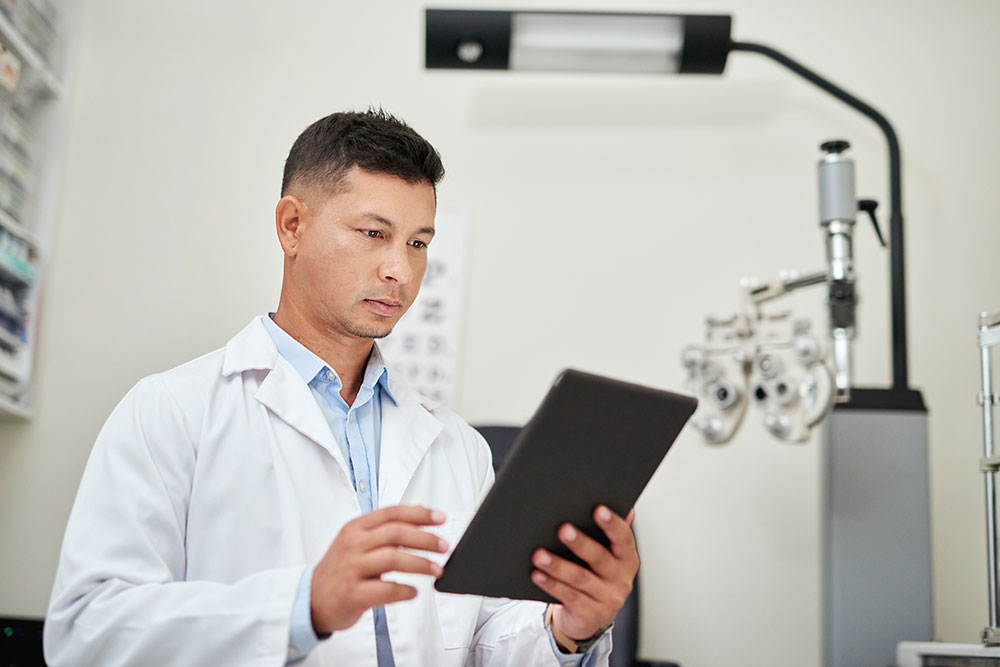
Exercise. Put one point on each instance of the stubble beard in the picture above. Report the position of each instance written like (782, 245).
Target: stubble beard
(369, 332)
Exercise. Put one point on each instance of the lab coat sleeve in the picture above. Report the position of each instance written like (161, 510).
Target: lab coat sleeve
(120, 595)
(513, 633)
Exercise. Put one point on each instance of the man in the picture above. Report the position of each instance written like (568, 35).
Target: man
(287, 499)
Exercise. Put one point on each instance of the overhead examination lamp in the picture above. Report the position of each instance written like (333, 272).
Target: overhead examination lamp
(649, 43)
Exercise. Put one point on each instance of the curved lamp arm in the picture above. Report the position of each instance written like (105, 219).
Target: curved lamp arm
(900, 374)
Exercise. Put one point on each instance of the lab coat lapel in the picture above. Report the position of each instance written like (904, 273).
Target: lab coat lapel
(282, 390)
(408, 429)
(285, 394)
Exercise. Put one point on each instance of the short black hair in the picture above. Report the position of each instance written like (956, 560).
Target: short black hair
(373, 140)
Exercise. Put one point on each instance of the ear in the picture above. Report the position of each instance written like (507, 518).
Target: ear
(289, 215)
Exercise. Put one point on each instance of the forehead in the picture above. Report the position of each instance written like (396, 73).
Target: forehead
(361, 192)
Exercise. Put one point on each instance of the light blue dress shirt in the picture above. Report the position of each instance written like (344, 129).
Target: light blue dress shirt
(358, 431)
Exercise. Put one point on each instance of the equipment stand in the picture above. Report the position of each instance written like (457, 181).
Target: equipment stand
(989, 335)
(877, 589)
(927, 654)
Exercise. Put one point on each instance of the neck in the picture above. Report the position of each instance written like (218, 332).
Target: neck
(347, 355)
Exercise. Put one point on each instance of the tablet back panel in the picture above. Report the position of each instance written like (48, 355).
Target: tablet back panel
(592, 441)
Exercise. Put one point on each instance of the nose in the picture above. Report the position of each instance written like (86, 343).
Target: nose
(395, 266)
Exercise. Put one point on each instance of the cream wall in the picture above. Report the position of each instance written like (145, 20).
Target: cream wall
(609, 216)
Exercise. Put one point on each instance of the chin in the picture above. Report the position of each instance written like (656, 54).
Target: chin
(371, 331)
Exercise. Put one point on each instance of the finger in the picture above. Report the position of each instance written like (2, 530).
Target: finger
(390, 559)
(413, 514)
(401, 534)
(630, 517)
(571, 574)
(618, 531)
(589, 550)
(375, 593)
(576, 601)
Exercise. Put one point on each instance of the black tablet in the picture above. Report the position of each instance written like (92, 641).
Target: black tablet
(593, 441)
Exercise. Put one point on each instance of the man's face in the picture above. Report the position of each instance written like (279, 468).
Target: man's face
(362, 253)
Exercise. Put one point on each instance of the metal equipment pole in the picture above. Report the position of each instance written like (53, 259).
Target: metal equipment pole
(989, 335)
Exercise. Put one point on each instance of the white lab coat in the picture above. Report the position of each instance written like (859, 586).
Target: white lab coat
(210, 488)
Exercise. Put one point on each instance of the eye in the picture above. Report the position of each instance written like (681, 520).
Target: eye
(372, 233)
(418, 244)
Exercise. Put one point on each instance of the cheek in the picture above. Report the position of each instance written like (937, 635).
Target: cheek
(419, 268)
(330, 263)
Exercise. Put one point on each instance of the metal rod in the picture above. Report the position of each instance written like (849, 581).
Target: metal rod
(816, 278)
(900, 377)
(991, 519)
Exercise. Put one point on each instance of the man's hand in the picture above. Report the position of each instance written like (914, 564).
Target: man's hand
(590, 598)
(347, 581)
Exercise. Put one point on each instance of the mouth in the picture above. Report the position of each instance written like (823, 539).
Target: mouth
(386, 307)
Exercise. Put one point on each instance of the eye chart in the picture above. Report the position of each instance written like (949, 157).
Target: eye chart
(425, 345)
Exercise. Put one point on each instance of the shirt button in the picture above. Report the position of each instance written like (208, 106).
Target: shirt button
(293, 652)
(330, 375)
(350, 417)
(362, 487)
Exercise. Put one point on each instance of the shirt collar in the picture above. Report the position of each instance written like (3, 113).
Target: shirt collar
(378, 373)
(308, 365)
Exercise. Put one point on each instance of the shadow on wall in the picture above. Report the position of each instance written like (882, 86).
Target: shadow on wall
(551, 101)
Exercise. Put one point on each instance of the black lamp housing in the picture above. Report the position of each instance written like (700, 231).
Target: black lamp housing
(473, 39)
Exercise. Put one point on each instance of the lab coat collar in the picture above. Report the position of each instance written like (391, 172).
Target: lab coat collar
(409, 426)
(408, 430)
(302, 359)
(250, 350)
(308, 365)
(282, 391)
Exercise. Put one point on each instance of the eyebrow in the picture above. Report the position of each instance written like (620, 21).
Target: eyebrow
(376, 218)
